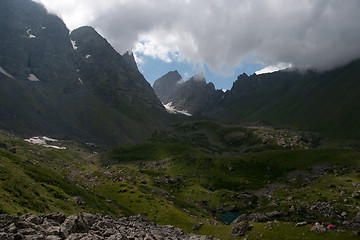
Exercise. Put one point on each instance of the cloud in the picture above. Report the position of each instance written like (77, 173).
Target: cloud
(223, 34)
(199, 77)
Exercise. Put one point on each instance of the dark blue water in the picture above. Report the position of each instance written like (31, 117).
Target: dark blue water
(227, 217)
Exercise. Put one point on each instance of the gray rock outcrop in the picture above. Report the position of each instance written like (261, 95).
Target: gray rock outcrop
(56, 226)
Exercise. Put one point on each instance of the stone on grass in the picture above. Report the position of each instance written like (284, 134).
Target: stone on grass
(239, 229)
(300, 224)
(318, 229)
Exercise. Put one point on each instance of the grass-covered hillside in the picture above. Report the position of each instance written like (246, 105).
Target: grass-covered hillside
(325, 102)
(198, 176)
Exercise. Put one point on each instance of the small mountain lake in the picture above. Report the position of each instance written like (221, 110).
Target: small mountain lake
(227, 217)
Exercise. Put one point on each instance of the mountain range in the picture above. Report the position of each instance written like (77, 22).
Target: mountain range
(75, 85)
(323, 102)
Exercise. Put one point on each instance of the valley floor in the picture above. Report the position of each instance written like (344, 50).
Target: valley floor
(197, 176)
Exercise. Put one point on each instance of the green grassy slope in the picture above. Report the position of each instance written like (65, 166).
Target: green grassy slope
(192, 176)
(327, 103)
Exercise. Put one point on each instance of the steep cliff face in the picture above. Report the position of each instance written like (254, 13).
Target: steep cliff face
(34, 42)
(194, 96)
(73, 85)
(165, 87)
(111, 77)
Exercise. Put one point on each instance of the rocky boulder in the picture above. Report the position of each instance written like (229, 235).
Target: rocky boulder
(239, 219)
(318, 229)
(239, 229)
(258, 217)
(56, 226)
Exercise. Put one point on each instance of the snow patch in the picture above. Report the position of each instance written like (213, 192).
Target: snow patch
(6, 73)
(43, 141)
(49, 139)
(43, 28)
(87, 56)
(73, 44)
(273, 68)
(224, 90)
(29, 34)
(80, 81)
(171, 109)
(33, 78)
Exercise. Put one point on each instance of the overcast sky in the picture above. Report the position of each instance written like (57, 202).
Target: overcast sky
(223, 38)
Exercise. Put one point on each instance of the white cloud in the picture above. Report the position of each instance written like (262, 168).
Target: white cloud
(199, 77)
(186, 75)
(224, 33)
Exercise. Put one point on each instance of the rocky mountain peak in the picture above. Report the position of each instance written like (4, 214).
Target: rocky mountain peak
(193, 96)
(169, 79)
(198, 78)
(32, 39)
(166, 85)
(129, 58)
(74, 85)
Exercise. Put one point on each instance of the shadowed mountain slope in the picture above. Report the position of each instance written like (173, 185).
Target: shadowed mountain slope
(74, 86)
(326, 102)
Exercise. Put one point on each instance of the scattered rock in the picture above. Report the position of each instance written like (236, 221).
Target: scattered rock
(76, 224)
(300, 224)
(318, 229)
(6, 220)
(56, 217)
(355, 194)
(240, 229)
(292, 209)
(239, 219)
(197, 226)
(187, 211)
(233, 208)
(275, 214)
(258, 217)
(29, 217)
(122, 190)
(78, 200)
(87, 226)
